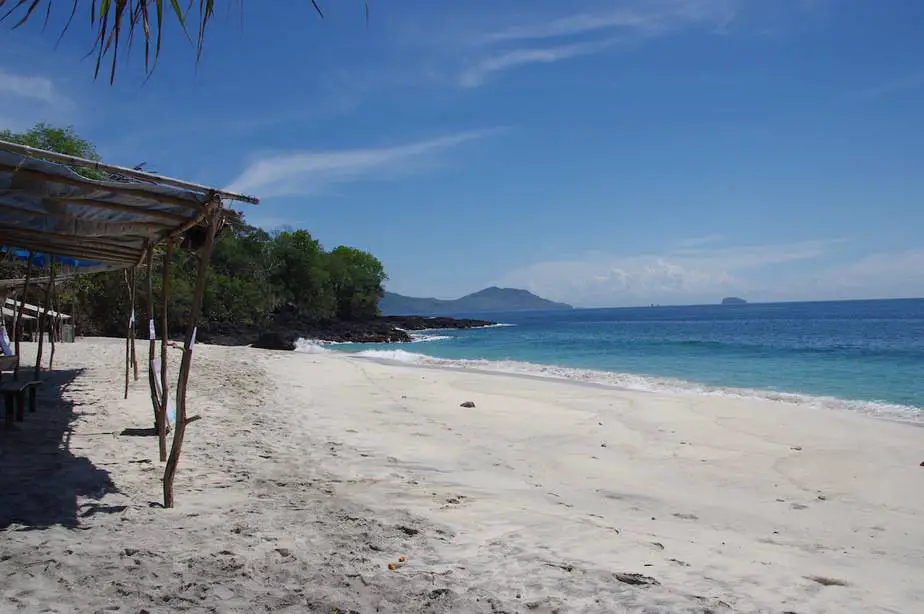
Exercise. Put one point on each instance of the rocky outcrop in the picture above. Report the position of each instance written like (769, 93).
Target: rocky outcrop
(288, 326)
(276, 340)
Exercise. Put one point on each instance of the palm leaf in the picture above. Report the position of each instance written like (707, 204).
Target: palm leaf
(112, 20)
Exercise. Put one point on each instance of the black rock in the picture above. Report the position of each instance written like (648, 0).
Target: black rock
(288, 325)
(276, 341)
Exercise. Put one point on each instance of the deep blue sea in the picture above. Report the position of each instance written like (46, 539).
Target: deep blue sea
(861, 355)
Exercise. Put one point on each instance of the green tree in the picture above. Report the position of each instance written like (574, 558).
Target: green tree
(299, 271)
(59, 140)
(239, 288)
(356, 281)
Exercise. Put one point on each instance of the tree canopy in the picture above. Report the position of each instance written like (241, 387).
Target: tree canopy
(253, 272)
(59, 140)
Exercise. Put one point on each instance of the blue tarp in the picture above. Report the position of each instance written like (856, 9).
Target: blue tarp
(41, 260)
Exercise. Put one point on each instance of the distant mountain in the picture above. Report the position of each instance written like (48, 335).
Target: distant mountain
(733, 300)
(483, 301)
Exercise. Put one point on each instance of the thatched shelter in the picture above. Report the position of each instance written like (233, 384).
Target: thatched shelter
(51, 211)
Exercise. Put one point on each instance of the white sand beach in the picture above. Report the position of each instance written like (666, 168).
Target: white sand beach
(309, 473)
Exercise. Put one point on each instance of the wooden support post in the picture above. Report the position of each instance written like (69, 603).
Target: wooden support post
(17, 325)
(133, 330)
(56, 318)
(128, 334)
(43, 318)
(152, 352)
(179, 431)
(165, 336)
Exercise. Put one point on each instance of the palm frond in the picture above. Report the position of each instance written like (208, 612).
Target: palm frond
(114, 20)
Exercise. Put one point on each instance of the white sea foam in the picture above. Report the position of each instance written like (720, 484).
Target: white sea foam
(395, 356)
(642, 383)
(311, 346)
(421, 337)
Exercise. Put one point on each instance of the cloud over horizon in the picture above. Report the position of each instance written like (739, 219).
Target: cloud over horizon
(706, 274)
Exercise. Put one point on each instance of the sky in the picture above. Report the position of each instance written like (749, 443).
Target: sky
(600, 153)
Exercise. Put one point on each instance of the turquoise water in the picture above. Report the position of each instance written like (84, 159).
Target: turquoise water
(866, 355)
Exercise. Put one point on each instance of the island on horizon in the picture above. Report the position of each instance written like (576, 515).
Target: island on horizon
(733, 300)
(489, 300)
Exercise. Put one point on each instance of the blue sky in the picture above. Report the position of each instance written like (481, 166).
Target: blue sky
(601, 153)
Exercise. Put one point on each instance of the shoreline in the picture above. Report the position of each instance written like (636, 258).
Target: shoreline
(310, 473)
(648, 383)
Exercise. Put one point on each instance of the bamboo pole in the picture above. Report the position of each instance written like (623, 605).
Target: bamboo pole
(180, 427)
(131, 358)
(133, 329)
(43, 319)
(152, 348)
(165, 335)
(17, 325)
(56, 319)
(128, 334)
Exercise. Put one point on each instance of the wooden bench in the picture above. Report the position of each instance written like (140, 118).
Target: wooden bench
(14, 398)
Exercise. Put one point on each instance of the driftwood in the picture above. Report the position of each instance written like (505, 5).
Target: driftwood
(180, 427)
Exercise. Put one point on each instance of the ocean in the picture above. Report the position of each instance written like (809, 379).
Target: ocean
(865, 356)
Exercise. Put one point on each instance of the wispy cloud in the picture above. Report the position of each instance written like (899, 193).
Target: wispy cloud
(573, 25)
(896, 86)
(644, 18)
(685, 275)
(28, 86)
(635, 21)
(476, 75)
(309, 172)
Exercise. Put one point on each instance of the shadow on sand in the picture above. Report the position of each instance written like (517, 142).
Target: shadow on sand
(40, 479)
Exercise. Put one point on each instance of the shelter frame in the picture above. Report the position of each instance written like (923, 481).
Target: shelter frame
(46, 207)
